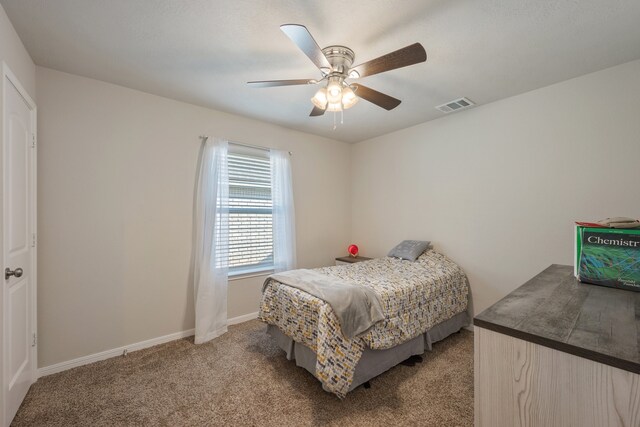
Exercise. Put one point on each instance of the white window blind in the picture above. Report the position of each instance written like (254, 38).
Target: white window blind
(250, 213)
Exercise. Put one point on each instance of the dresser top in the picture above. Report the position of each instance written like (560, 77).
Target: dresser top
(555, 310)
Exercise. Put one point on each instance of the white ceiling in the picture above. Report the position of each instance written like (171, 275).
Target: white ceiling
(203, 51)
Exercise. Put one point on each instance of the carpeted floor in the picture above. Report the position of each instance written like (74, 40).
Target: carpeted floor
(243, 379)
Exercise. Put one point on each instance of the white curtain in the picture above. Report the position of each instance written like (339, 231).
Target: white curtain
(284, 223)
(211, 241)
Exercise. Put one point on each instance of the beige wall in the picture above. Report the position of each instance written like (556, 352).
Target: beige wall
(116, 180)
(13, 53)
(498, 187)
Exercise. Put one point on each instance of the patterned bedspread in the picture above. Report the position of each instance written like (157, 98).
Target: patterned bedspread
(415, 296)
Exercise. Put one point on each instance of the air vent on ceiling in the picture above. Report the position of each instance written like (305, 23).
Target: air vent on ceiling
(456, 105)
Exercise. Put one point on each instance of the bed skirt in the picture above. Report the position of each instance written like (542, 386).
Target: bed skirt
(373, 362)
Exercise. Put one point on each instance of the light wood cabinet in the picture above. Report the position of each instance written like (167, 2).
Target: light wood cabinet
(519, 383)
(556, 352)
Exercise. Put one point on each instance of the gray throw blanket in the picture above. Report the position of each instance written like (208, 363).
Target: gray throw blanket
(356, 307)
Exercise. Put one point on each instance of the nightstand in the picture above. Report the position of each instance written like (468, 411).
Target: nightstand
(350, 259)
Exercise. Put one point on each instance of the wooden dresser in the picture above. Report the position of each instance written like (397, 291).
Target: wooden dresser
(557, 352)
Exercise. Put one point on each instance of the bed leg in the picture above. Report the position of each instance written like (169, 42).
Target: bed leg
(367, 385)
(412, 361)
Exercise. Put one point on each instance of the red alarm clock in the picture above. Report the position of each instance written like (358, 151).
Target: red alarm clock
(353, 250)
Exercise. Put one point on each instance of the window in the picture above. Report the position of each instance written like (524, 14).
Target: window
(250, 211)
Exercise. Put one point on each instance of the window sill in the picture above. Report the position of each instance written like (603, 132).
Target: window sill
(249, 273)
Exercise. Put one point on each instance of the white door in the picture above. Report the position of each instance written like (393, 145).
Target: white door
(18, 203)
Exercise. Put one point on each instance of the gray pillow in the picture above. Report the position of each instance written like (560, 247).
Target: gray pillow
(409, 249)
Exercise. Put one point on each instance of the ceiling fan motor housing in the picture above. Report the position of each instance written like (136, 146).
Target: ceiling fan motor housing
(341, 58)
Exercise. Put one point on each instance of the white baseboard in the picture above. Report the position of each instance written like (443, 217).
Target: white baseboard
(242, 319)
(107, 354)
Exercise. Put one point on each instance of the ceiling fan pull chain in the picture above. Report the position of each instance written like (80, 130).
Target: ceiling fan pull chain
(334, 121)
(341, 117)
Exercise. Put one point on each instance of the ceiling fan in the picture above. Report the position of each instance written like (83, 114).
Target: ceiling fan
(335, 63)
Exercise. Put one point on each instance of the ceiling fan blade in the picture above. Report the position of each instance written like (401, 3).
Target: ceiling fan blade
(303, 39)
(272, 83)
(317, 112)
(380, 99)
(404, 57)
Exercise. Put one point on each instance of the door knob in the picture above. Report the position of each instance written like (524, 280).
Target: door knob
(8, 273)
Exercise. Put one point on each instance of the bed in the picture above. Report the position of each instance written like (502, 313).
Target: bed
(422, 301)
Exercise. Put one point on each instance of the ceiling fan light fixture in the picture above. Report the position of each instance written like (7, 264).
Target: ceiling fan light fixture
(334, 91)
(334, 106)
(349, 98)
(320, 98)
